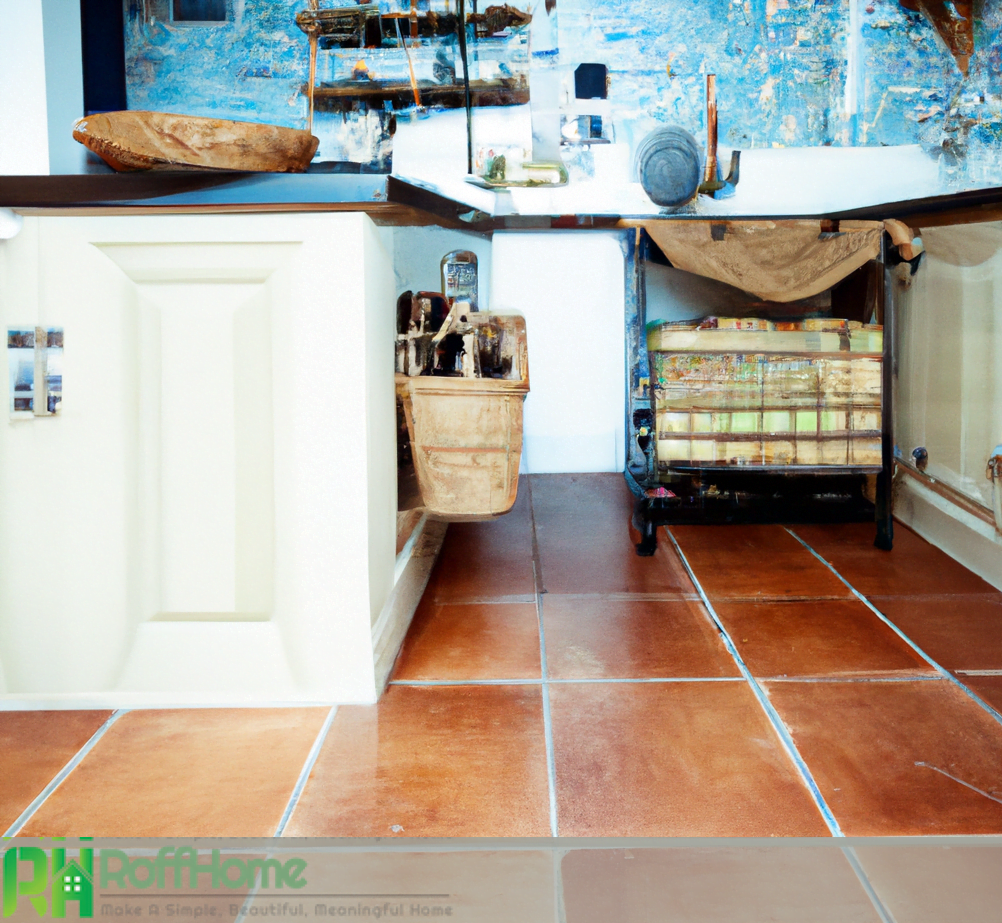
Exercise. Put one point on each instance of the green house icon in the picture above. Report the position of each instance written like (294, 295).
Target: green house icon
(71, 881)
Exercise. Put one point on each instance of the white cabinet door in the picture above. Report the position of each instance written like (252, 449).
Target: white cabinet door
(213, 510)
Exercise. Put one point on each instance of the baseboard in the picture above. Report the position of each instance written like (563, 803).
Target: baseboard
(414, 569)
(962, 535)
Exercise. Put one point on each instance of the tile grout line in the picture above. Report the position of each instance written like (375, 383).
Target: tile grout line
(571, 682)
(835, 678)
(640, 680)
(551, 763)
(850, 854)
(304, 773)
(63, 774)
(559, 904)
(770, 711)
(944, 673)
(251, 895)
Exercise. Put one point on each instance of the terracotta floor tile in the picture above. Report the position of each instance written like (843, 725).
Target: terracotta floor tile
(473, 641)
(929, 884)
(486, 560)
(485, 886)
(432, 761)
(34, 746)
(190, 772)
(961, 632)
(751, 561)
(822, 637)
(912, 568)
(583, 531)
(673, 759)
(988, 687)
(589, 638)
(880, 753)
(713, 885)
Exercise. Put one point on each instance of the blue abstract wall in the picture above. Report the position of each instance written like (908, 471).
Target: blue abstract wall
(779, 63)
(250, 67)
(789, 72)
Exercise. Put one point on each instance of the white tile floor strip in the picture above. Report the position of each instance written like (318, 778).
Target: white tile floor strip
(946, 674)
(566, 682)
(904, 678)
(524, 599)
(551, 763)
(304, 775)
(878, 905)
(251, 895)
(465, 682)
(60, 776)
(771, 714)
(630, 597)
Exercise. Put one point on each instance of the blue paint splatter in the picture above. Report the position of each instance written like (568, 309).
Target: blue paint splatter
(781, 69)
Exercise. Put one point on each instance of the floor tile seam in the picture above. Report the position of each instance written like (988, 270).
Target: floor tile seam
(625, 597)
(904, 637)
(559, 889)
(668, 680)
(305, 772)
(771, 714)
(871, 892)
(562, 681)
(523, 599)
(528, 600)
(251, 896)
(774, 600)
(937, 597)
(537, 584)
(815, 678)
(60, 777)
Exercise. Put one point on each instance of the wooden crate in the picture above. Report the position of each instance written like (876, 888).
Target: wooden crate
(767, 399)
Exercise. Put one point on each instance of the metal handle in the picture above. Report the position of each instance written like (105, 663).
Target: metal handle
(994, 473)
(994, 469)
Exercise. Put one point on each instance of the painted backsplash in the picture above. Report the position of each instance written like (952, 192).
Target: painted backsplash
(790, 73)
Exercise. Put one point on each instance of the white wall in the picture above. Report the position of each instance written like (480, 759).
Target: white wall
(675, 295)
(949, 397)
(64, 84)
(418, 256)
(24, 141)
(570, 287)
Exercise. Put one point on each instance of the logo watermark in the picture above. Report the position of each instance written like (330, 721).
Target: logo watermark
(49, 880)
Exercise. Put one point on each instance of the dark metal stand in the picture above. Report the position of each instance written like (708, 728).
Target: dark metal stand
(721, 494)
(885, 480)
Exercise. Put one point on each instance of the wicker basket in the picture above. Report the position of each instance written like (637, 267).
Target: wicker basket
(466, 435)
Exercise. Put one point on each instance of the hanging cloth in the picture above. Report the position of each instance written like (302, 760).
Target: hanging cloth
(774, 260)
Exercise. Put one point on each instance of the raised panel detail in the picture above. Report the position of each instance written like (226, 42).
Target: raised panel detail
(206, 401)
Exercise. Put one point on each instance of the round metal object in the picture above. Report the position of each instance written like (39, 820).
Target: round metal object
(669, 165)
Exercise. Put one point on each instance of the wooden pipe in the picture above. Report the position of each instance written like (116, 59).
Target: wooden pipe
(313, 77)
(313, 36)
(710, 174)
(410, 65)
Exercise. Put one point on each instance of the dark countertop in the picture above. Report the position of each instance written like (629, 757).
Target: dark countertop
(385, 198)
(191, 188)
